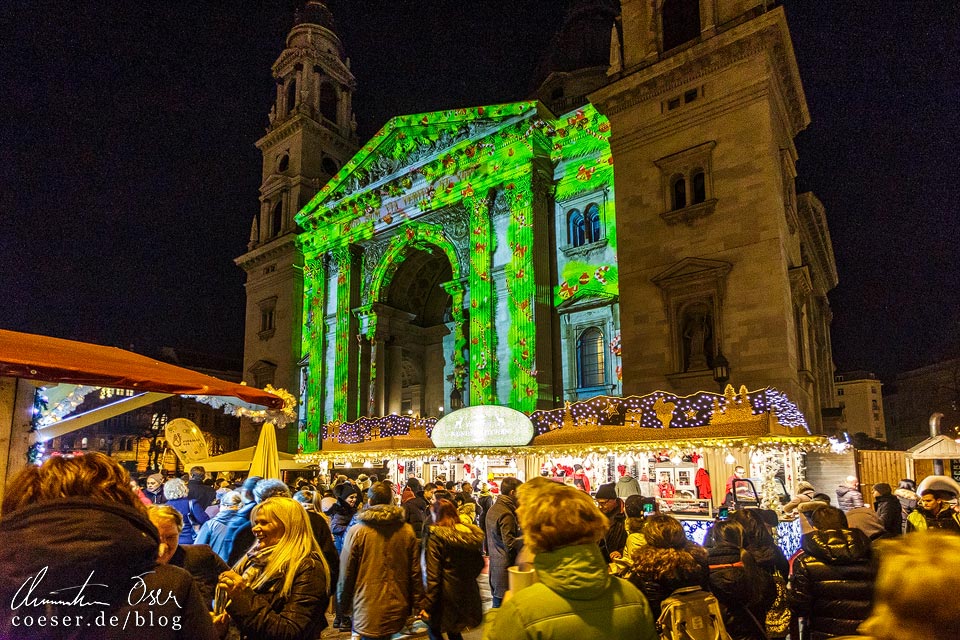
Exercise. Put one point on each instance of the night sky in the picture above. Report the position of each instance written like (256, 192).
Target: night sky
(129, 176)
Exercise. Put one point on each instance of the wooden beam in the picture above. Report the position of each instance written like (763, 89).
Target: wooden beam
(100, 414)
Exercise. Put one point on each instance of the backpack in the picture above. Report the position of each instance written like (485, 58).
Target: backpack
(691, 613)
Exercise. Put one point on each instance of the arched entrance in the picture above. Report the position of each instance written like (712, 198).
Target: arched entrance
(414, 332)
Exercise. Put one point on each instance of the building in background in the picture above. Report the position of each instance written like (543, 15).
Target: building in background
(635, 229)
(859, 394)
(916, 395)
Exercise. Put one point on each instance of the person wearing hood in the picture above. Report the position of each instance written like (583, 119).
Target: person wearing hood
(74, 529)
(380, 584)
(452, 560)
(341, 514)
(833, 575)
(805, 493)
(906, 494)
(848, 494)
(575, 596)
(888, 508)
(414, 506)
(935, 509)
(744, 590)
(627, 486)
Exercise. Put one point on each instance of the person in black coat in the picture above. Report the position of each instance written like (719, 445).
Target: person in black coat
(321, 532)
(745, 592)
(833, 576)
(452, 560)
(73, 527)
(414, 506)
(615, 539)
(503, 538)
(888, 508)
(204, 494)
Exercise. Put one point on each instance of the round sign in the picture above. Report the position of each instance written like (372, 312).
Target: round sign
(184, 437)
(483, 426)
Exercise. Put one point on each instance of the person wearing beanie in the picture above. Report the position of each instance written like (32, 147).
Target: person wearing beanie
(935, 509)
(154, 490)
(865, 519)
(611, 506)
(888, 508)
(805, 493)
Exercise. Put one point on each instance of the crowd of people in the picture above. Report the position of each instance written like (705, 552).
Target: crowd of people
(88, 553)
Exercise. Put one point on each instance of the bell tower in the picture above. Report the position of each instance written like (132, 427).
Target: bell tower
(311, 133)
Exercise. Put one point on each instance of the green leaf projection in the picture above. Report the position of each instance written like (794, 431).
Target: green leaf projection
(491, 164)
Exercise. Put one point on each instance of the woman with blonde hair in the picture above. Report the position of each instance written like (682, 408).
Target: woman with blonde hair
(575, 596)
(279, 589)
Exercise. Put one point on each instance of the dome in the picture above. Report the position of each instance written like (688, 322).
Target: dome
(314, 12)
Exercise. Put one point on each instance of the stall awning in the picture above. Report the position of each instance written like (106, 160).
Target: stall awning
(34, 357)
(936, 448)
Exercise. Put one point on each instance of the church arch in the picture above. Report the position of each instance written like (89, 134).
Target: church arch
(417, 236)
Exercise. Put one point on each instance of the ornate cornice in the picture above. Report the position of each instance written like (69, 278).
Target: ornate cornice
(766, 33)
(815, 236)
(276, 248)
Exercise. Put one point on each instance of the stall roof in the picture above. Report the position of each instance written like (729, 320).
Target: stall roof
(936, 448)
(35, 357)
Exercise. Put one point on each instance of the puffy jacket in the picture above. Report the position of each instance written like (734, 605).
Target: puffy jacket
(452, 560)
(888, 510)
(503, 542)
(380, 583)
(63, 544)
(745, 592)
(265, 614)
(848, 498)
(575, 599)
(658, 572)
(832, 582)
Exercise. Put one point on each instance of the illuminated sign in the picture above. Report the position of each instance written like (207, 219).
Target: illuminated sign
(483, 426)
(184, 437)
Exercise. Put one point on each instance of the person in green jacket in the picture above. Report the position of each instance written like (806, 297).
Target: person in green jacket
(575, 596)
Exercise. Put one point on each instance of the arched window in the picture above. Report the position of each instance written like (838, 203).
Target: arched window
(681, 22)
(679, 192)
(291, 95)
(590, 353)
(699, 187)
(276, 221)
(577, 232)
(328, 101)
(592, 223)
(329, 165)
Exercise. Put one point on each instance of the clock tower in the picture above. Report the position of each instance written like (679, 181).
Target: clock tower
(311, 133)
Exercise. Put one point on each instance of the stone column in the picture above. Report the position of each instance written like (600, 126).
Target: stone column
(395, 390)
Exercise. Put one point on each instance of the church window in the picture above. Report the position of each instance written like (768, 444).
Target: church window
(592, 219)
(687, 184)
(291, 95)
(268, 317)
(679, 199)
(276, 220)
(590, 358)
(283, 163)
(328, 101)
(577, 232)
(699, 187)
(680, 22)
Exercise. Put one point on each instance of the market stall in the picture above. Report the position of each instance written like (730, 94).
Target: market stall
(682, 450)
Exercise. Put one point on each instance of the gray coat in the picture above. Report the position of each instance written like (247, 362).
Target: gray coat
(380, 572)
(503, 542)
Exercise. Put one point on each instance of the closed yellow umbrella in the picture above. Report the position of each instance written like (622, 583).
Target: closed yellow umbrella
(266, 457)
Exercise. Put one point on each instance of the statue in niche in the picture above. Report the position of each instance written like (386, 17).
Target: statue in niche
(697, 328)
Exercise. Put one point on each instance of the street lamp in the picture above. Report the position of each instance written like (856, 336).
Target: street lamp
(721, 370)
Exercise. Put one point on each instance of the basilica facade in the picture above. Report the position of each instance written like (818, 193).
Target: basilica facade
(628, 229)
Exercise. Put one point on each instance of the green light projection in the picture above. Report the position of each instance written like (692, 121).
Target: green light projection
(471, 158)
